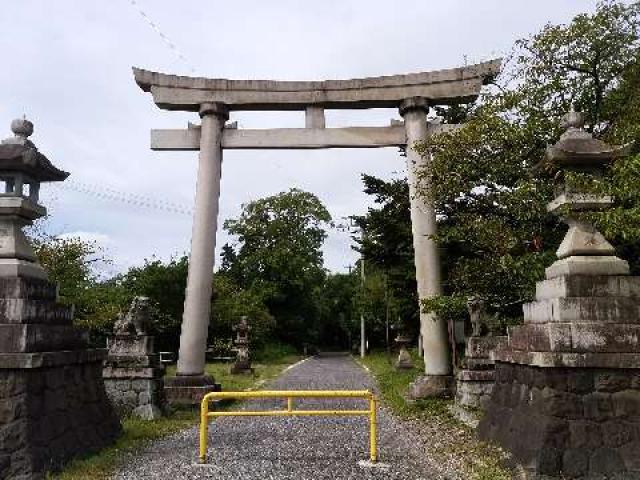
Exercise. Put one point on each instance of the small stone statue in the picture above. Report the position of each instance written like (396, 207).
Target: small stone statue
(475, 305)
(242, 363)
(137, 320)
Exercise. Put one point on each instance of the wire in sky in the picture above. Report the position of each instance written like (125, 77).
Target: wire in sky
(111, 194)
(167, 41)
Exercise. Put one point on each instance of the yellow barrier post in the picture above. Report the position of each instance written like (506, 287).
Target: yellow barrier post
(289, 395)
(204, 429)
(373, 440)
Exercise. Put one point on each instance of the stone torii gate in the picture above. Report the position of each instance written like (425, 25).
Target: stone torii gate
(213, 99)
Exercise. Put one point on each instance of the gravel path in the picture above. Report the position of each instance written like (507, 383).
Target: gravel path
(279, 448)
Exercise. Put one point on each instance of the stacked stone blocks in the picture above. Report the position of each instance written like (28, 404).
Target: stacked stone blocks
(476, 378)
(133, 373)
(566, 401)
(53, 405)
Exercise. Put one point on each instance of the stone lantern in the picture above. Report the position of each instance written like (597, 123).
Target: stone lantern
(566, 392)
(22, 169)
(52, 398)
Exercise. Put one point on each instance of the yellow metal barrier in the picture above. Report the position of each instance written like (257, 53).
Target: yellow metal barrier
(205, 414)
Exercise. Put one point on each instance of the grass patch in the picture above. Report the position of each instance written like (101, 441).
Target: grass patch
(137, 433)
(450, 440)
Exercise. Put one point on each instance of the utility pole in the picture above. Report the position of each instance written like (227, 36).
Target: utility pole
(363, 344)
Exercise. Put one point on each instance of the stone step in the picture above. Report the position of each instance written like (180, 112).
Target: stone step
(477, 363)
(583, 309)
(481, 347)
(476, 375)
(41, 338)
(26, 310)
(589, 286)
(576, 337)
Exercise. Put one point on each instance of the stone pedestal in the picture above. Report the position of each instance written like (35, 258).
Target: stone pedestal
(474, 382)
(566, 401)
(431, 386)
(188, 390)
(133, 377)
(53, 404)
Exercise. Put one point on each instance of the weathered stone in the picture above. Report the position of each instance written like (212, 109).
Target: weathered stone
(431, 386)
(606, 461)
(132, 372)
(575, 462)
(147, 412)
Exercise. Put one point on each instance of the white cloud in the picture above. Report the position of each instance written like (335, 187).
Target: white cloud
(70, 72)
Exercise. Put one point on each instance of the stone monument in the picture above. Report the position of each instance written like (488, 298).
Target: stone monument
(133, 374)
(474, 381)
(566, 401)
(242, 363)
(53, 404)
(404, 361)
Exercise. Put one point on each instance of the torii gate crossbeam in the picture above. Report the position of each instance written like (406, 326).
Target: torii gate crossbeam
(213, 99)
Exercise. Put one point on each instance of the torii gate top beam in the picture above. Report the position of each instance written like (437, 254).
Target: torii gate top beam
(451, 86)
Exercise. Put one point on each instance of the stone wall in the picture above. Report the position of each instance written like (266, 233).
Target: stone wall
(567, 422)
(53, 413)
(474, 382)
(53, 405)
(135, 396)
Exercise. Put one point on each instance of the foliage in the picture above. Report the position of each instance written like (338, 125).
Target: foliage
(278, 255)
(493, 223)
(337, 320)
(386, 244)
(450, 442)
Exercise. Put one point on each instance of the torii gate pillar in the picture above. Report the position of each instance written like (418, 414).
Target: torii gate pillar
(438, 379)
(190, 380)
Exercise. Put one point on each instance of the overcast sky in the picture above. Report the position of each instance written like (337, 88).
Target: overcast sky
(67, 65)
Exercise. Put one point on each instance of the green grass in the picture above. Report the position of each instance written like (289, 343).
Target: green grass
(456, 441)
(137, 433)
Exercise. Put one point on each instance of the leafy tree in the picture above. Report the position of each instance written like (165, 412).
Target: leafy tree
(74, 263)
(490, 200)
(278, 255)
(387, 247)
(338, 324)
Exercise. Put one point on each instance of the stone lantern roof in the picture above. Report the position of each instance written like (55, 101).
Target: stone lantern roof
(19, 154)
(578, 149)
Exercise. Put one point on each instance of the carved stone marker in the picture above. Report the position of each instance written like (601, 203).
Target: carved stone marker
(566, 401)
(53, 405)
(404, 361)
(475, 305)
(242, 363)
(133, 374)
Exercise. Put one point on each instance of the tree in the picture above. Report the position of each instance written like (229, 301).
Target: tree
(387, 247)
(278, 255)
(490, 200)
(73, 263)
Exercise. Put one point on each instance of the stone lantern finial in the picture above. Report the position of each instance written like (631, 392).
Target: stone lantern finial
(573, 119)
(21, 127)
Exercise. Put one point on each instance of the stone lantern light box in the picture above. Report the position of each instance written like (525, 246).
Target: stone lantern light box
(22, 169)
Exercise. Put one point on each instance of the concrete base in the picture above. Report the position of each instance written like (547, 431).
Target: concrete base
(188, 390)
(432, 386)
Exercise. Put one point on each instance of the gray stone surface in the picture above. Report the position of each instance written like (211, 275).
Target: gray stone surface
(456, 85)
(322, 448)
(133, 374)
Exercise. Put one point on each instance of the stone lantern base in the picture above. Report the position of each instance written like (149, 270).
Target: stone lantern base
(53, 404)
